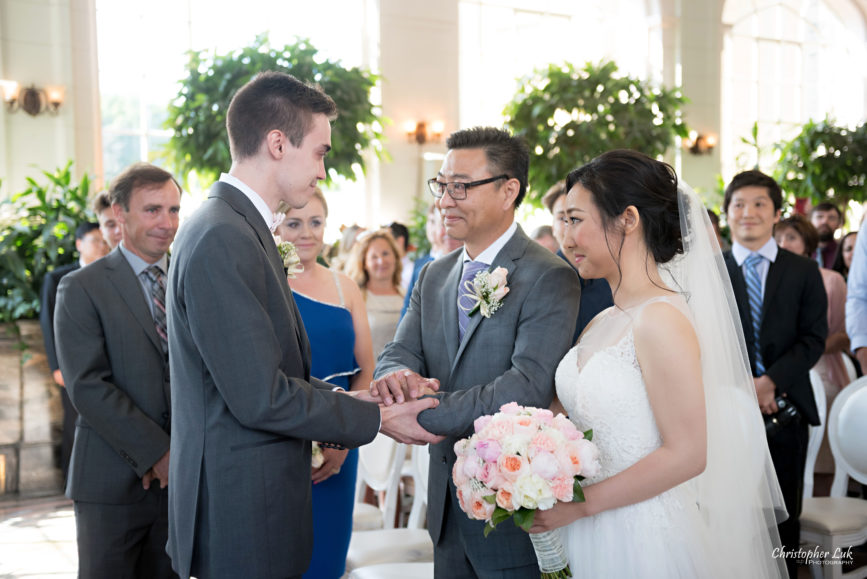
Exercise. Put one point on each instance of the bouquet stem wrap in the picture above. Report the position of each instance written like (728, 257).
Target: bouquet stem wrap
(550, 555)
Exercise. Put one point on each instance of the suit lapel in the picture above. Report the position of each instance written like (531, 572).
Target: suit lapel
(244, 207)
(450, 308)
(507, 258)
(124, 280)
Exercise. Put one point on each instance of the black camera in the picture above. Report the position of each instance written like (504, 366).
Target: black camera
(786, 414)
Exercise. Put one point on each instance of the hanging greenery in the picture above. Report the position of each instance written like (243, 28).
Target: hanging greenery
(568, 116)
(197, 116)
(825, 162)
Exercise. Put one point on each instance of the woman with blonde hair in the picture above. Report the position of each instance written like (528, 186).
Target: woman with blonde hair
(332, 309)
(375, 266)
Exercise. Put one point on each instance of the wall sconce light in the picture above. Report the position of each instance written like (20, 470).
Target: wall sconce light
(700, 143)
(33, 101)
(421, 133)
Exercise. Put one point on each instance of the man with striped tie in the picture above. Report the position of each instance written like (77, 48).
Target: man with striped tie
(783, 310)
(110, 328)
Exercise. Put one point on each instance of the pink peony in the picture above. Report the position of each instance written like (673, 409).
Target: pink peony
(563, 488)
(545, 465)
(542, 442)
(497, 429)
(565, 426)
(544, 416)
(569, 459)
(510, 408)
(589, 457)
(481, 422)
(525, 426)
(512, 466)
(458, 474)
(488, 450)
(490, 475)
(472, 466)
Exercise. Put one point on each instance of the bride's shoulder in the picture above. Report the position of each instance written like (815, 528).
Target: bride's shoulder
(664, 322)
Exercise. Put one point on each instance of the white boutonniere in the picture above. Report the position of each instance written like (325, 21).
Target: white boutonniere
(487, 291)
(289, 256)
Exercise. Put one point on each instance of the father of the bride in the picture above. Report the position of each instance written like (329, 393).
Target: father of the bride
(481, 362)
(244, 407)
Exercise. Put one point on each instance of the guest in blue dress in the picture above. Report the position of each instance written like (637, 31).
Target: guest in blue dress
(334, 316)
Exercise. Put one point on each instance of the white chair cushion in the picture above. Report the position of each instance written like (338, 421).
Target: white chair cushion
(834, 515)
(395, 571)
(366, 517)
(388, 546)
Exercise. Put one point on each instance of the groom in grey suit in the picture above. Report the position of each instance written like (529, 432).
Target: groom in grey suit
(244, 407)
(116, 369)
(480, 363)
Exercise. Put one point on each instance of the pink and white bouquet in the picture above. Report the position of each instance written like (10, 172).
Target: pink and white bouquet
(519, 460)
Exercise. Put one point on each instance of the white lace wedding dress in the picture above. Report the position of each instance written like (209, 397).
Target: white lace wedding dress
(599, 383)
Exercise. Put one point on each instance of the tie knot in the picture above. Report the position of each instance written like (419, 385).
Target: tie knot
(154, 272)
(754, 259)
(471, 268)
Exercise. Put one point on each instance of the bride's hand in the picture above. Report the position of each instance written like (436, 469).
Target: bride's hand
(560, 515)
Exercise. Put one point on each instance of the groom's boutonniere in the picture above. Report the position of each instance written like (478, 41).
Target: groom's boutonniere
(487, 291)
(289, 256)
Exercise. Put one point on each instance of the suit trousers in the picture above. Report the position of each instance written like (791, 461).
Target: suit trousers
(789, 452)
(124, 541)
(451, 559)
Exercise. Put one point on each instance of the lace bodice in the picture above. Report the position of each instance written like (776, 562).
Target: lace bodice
(599, 383)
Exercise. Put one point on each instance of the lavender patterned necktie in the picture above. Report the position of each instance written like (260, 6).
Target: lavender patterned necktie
(465, 304)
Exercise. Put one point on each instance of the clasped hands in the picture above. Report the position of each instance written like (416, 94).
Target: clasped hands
(401, 395)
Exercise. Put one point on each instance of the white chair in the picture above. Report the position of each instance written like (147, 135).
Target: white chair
(396, 546)
(379, 467)
(395, 571)
(817, 433)
(838, 522)
(850, 367)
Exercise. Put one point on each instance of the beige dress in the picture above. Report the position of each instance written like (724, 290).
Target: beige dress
(383, 314)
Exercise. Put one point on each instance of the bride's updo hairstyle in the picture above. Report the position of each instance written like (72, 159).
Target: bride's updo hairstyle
(620, 178)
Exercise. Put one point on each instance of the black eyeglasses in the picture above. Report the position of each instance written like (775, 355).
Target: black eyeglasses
(458, 190)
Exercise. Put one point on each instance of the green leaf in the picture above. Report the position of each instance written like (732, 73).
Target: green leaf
(577, 492)
(490, 499)
(524, 518)
(588, 434)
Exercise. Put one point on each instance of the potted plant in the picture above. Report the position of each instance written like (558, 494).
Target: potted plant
(197, 115)
(570, 115)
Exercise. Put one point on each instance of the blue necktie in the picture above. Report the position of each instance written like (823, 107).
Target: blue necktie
(465, 304)
(754, 294)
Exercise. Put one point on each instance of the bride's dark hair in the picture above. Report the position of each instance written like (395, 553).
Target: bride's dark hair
(620, 178)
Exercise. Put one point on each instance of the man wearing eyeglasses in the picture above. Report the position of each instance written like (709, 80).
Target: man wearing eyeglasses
(479, 362)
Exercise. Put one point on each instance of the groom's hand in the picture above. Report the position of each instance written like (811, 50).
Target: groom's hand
(402, 385)
(400, 422)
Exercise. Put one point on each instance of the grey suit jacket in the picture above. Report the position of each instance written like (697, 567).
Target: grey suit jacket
(117, 378)
(511, 356)
(244, 405)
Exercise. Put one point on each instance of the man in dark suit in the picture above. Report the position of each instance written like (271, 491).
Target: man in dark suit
(595, 293)
(783, 310)
(481, 362)
(90, 247)
(110, 328)
(244, 407)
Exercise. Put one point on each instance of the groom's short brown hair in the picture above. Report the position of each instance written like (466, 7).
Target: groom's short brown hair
(273, 100)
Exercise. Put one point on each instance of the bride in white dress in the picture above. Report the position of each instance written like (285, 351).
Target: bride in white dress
(686, 488)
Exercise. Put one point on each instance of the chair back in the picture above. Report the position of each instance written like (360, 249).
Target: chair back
(847, 433)
(379, 466)
(420, 470)
(851, 373)
(814, 442)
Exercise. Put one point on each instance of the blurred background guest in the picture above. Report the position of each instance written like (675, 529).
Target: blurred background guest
(375, 266)
(440, 245)
(348, 236)
(845, 251)
(595, 293)
(401, 236)
(90, 246)
(799, 236)
(108, 223)
(332, 309)
(827, 219)
(544, 236)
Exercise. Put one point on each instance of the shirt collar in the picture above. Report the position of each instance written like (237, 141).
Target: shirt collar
(769, 251)
(490, 253)
(138, 265)
(255, 199)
